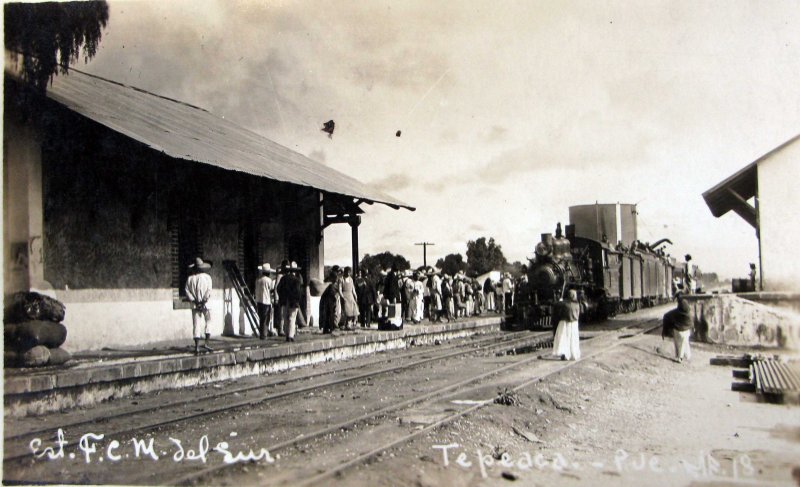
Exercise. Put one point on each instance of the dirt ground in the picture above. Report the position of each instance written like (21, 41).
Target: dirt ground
(630, 417)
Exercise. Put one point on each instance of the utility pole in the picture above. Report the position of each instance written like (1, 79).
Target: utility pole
(425, 252)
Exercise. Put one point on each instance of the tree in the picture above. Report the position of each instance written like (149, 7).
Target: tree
(483, 256)
(517, 269)
(52, 35)
(383, 261)
(451, 264)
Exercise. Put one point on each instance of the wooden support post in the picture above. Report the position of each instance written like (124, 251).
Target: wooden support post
(354, 222)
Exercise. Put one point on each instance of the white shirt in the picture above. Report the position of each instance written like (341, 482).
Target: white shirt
(264, 288)
(198, 287)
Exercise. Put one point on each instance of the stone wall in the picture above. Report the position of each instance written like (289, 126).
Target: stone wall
(733, 320)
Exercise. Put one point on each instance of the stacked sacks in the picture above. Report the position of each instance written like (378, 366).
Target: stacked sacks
(33, 331)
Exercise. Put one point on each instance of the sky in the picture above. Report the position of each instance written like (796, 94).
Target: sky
(510, 112)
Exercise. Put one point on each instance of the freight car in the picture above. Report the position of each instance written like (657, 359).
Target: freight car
(609, 279)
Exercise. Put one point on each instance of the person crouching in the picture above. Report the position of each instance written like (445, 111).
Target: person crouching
(566, 343)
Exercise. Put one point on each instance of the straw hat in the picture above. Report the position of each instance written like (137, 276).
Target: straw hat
(266, 268)
(293, 267)
(200, 265)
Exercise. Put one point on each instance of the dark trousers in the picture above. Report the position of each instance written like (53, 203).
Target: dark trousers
(366, 314)
(264, 318)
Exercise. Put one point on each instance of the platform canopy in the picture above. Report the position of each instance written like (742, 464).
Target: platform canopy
(187, 132)
(733, 193)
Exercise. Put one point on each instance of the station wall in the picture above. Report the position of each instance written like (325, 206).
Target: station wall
(111, 213)
(778, 218)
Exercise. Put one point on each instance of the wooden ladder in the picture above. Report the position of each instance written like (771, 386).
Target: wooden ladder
(245, 296)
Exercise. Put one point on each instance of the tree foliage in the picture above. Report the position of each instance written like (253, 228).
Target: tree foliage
(52, 35)
(383, 261)
(451, 264)
(516, 268)
(483, 256)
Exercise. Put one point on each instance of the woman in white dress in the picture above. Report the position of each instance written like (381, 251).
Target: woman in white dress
(567, 340)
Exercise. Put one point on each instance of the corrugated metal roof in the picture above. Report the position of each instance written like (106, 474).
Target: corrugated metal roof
(187, 132)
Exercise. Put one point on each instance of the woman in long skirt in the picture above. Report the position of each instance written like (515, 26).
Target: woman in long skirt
(567, 340)
(349, 299)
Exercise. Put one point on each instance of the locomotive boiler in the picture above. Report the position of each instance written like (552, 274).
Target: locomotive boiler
(609, 279)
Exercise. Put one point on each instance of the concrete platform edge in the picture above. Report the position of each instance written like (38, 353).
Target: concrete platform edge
(39, 394)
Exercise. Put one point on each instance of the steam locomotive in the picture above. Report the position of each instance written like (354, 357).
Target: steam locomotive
(609, 279)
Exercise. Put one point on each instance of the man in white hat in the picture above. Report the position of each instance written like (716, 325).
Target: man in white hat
(508, 292)
(265, 286)
(198, 290)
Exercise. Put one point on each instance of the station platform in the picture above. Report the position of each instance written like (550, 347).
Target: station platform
(95, 376)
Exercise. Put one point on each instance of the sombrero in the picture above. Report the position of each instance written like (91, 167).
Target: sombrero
(266, 268)
(200, 264)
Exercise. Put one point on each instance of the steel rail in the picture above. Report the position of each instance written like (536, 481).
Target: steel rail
(280, 395)
(315, 480)
(366, 416)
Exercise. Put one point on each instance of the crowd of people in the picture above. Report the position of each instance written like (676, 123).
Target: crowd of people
(347, 301)
(424, 294)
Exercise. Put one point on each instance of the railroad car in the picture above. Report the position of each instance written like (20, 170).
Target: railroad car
(609, 279)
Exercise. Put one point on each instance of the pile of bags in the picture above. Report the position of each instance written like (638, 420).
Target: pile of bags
(33, 331)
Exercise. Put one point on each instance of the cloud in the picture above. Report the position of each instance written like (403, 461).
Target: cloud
(393, 182)
(390, 234)
(496, 133)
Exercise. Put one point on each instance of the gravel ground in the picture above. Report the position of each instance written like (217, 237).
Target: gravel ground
(631, 417)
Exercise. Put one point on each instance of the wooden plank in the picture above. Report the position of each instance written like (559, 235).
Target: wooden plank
(741, 362)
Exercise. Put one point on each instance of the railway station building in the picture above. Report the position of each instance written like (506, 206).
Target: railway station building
(110, 192)
(769, 182)
(763, 195)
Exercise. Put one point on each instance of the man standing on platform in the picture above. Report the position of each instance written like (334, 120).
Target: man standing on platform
(330, 306)
(508, 292)
(198, 290)
(688, 276)
(753, 286)
(264, 289)
(290, 292)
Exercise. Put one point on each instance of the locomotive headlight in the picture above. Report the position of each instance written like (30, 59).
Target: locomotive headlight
(542, 249)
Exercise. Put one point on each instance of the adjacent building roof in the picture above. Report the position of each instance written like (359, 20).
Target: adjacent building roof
(187, 132)
(726, 195)
(733, 192)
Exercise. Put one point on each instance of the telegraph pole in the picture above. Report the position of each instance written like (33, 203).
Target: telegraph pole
(425, 252)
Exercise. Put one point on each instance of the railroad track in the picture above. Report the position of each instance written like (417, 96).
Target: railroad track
(197, 476)
(18, 443)
(179, 474)
(362, 458)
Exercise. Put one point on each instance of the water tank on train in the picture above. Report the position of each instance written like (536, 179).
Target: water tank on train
(615, 221)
